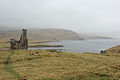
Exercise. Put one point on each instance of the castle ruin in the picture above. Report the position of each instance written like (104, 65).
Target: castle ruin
(20, 44)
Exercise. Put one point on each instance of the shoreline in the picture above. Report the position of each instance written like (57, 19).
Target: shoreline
(36, 46)
(45, 41)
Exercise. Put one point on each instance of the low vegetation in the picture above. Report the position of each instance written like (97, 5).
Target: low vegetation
(115, 49)
(4, 43)
(53, 65)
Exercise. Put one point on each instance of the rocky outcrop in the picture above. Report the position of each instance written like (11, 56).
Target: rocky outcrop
(103, 52)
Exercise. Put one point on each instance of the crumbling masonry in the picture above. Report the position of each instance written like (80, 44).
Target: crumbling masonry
(20, 44)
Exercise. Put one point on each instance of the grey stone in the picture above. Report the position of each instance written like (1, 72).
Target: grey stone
(22, 43)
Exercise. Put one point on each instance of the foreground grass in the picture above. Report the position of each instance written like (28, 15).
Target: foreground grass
(52, 65)
(8, 67)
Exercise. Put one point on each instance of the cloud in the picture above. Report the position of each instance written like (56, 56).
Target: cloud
(79, 15)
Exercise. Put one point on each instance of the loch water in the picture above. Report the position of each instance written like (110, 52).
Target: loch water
(82, 46)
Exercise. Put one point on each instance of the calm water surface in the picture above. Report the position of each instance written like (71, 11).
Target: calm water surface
(81, 46)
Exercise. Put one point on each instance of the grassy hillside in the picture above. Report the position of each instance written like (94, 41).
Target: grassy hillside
(52, 65)
(115, 49)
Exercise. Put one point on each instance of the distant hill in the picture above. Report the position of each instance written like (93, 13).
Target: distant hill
(94, 37)
(46, 34)
(43, 34)
(5, 28)
(54, 34)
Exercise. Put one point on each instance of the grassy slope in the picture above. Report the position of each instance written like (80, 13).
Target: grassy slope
(49, 65)
(115, 49)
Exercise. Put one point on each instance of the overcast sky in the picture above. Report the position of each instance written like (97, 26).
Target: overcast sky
(78, 15)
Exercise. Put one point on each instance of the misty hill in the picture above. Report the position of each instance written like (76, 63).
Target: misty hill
(43, 34)
(4, 28)
(46, 34)
(54, 34)
(94, 37)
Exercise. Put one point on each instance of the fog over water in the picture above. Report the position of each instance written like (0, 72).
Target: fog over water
(89, 16)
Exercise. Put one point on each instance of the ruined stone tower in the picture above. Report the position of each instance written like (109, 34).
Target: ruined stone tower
(22, 43)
